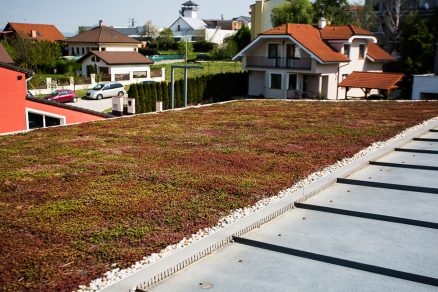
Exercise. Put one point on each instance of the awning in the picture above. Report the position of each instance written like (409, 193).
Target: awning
(371, 80)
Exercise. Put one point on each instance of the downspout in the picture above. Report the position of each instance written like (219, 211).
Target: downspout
(337, 86)
(27, 80)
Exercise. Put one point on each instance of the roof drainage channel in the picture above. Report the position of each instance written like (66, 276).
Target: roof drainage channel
(401, 165)
(416, 151)
(367, 215)
(339, 262)
(387, 186)
(426, 139)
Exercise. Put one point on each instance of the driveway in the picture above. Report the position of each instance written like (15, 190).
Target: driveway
(95, 105)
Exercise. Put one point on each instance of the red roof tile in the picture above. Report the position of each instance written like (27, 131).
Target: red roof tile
(4, 56)
(342, 32)
(377, 54)
(40, 32)
(372, 80)
(102, 34)
(119, 58)
(308, 36)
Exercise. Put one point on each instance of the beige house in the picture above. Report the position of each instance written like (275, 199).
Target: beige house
(261, 12)
(101, 38)
(301, 60)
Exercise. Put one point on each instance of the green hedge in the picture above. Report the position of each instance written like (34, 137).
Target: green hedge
(204, 89)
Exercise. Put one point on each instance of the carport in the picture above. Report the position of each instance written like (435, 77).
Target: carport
(367, 81)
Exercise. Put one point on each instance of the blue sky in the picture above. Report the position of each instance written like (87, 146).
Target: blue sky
(68, 15)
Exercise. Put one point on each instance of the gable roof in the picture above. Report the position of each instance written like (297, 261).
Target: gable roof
(194, 23)
(342, 32)
(44, 32)
(102, 34)
(372, 80)
(377, 54)
(4, 56)
(309, 37)
(119, 58)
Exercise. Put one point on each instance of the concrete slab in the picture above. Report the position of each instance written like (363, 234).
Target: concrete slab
(410, 205)
(410, 158)
(412, 177)
(242, 268)
(422, 145)
(430, 135)
(390, 245)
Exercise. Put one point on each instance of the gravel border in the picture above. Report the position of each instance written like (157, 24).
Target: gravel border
(321, 178)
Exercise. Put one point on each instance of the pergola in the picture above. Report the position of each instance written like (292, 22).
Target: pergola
(371, 80)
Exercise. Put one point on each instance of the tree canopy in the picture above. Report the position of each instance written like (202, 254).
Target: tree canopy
(165, 39)
(293, 11)
(335, 11)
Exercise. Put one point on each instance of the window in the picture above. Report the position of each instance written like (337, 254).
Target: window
(292, 82)
(272, 51)
(347, 50)
(36, 120)
(83, 51)
(140, 74)
(276, 80)
(361, 51)
(178, 28)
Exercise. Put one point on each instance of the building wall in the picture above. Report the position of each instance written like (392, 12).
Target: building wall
(261, 13)
(217, 36)
(80, 49)
(427, 83)
(12, 95)
(13, 113)
(256, 83)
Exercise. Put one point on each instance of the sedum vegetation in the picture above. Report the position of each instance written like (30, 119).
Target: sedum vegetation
(74, 200)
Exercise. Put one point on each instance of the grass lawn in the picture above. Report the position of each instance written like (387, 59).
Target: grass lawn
(213, 67)
(74, 200)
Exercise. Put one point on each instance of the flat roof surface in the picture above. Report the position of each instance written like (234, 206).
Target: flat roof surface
(385, 240)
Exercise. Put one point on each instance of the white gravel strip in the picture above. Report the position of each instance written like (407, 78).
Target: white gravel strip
(117, 274)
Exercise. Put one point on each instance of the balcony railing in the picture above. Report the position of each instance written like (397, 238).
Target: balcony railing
(300, 64)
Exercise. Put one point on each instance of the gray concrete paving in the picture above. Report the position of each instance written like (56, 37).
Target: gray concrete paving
(401, 247)
(95, 105)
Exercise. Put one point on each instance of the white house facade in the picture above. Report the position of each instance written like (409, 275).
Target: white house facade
(301, 60)
(191, 28)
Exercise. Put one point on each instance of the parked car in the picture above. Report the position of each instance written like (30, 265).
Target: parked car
(63, 95)
(106, 89)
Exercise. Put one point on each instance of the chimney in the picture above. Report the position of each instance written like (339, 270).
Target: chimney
(435, 67)
(100, 22)
(322, 23)
(34, 34)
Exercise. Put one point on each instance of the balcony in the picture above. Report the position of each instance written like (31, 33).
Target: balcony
(265, 62)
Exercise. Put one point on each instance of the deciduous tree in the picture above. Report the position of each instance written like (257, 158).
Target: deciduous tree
(293, 11)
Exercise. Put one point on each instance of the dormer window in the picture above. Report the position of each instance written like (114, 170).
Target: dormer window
(361, 51)
(347, 50)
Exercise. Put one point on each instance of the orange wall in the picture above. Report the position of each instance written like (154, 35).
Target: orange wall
(13, 104)
(12, 97)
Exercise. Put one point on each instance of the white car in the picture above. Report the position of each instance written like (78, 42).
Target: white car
(106, 89)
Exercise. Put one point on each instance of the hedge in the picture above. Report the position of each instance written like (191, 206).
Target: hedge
(204, 89)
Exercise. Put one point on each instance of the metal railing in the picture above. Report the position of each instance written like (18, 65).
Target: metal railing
(301, 64)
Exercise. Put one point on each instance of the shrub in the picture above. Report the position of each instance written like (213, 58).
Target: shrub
(203, 46)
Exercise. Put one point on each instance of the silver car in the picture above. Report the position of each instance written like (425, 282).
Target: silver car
(106, 89)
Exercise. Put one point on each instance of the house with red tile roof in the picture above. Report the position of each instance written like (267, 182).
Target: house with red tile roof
(303, 60)
(107, 51)
(100, 38)
(38, 32)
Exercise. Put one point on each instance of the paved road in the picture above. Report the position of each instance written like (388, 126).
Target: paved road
(375, 230)
(95, 105)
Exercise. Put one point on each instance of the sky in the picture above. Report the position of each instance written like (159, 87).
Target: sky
(68, 15)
